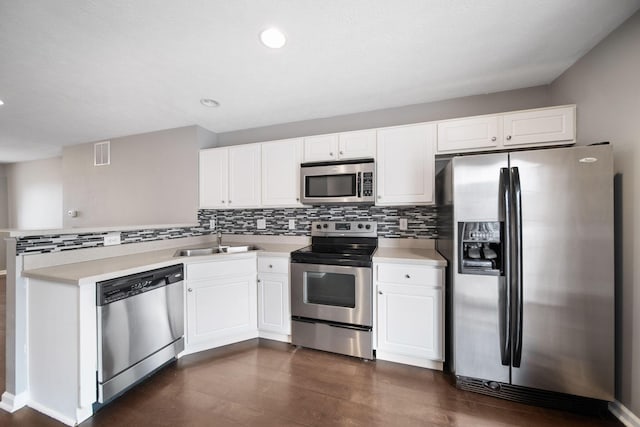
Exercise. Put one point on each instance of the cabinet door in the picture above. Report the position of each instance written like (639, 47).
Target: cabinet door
(468, 134)
(405, 165)
(274, 314)
(213, 178)
(356, 145)
(244, 176)
(410, 320)
(281, 172)
(321, 148)
(220, 308)
(540, 127)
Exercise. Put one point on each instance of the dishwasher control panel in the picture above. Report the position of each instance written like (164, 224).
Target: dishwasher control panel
(113, 290)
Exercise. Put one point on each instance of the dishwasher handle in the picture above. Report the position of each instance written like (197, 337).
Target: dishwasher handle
(113, 290)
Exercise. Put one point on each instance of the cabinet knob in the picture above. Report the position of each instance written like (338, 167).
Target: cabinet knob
(259, 281)
(379, 197)
(223, 201)
(508, 137)
(229, 201)
(190, 290)
(297, 199)
(331, 154)
(494, 138)
(379, 292)
(341, 153)
(407, 276)
(270, 266)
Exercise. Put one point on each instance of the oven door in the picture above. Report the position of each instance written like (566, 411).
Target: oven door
(332, 293)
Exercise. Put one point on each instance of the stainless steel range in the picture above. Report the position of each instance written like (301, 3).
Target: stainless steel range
(332, 289)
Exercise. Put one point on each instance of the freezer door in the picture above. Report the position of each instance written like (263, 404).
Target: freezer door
(478, 301)
(567, 271)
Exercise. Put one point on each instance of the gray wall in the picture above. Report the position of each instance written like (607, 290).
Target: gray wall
(520, 99)
(605, 85)
(152, 179)
(34, 193)
(4, 215)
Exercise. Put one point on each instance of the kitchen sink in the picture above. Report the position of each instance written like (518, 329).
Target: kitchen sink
(215, 250)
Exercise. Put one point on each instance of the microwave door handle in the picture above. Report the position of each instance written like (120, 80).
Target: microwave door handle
(359, 184)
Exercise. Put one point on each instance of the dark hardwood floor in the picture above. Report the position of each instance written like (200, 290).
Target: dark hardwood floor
(265, 383)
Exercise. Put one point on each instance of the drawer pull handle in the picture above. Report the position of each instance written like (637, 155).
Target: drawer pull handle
(190, 290)
(270, 266)
(407, 276)
(380, 292)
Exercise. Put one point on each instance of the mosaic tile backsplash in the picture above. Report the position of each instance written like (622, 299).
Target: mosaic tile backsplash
(421, 220)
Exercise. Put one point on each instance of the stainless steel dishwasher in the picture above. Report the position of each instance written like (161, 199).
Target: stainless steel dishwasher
(140, 327)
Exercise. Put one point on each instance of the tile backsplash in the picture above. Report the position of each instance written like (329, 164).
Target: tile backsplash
(421, 224)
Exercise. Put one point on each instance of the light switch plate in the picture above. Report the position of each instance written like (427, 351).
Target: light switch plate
(212, 224)
(261, 224)
(403, 223)
(112, 239)
(292, 224)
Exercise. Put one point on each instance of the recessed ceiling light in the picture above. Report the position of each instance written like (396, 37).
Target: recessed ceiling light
(208, 102)
(273, 38)
(1, 102)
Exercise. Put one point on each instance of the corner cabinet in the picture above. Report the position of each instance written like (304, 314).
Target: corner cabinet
(405, 165)
(281, 172)
(230, 177)
(274, 312)
(520, 129)
(340, 146)
(221, 302)
(410, 314)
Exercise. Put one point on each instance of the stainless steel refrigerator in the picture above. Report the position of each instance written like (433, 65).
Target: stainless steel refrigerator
(531, 286)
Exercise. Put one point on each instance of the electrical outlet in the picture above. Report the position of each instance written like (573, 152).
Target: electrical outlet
(112, 239)
(261, 224)
(212, 224)
(292, 224)
(403, 223)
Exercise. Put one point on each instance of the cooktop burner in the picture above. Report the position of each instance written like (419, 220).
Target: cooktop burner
(339, 243)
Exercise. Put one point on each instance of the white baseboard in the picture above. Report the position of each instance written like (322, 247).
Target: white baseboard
(623, 413)
(12, 403)
(409, 360)
(53, 414)
(274, 336)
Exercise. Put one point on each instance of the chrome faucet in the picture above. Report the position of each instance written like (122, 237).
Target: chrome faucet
(219, 236)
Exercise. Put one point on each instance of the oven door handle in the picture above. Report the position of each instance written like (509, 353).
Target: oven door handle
(359, 184)
(333, 324)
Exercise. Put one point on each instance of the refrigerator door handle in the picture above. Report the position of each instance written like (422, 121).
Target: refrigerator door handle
(504, 287)
(516, 267)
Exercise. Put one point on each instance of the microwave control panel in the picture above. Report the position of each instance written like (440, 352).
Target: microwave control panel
(367, 184)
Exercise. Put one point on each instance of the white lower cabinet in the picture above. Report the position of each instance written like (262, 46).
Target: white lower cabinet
(274, 312)
(410, 314)
(221, 302)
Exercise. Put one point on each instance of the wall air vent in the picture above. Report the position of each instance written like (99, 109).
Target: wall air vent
(101, 153)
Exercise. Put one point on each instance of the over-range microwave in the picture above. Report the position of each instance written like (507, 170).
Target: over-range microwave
(340, 182)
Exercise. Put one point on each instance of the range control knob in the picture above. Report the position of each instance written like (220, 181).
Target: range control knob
(318, 226)
(325, 225)
(360, 225)
(368, 226)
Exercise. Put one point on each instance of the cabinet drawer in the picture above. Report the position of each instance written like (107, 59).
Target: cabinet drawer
(409, 274)
(227, 267)
(278, 265)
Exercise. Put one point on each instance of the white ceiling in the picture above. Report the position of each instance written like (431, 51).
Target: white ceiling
(85, 70)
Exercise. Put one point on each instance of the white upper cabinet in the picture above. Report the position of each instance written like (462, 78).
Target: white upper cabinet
(405, 165)
(355, 145)
(540, 127)
(348, 145)
(214, 178)
(281, 172)
(230, 177)
(530, 128)
(244, 176)
(465, 134)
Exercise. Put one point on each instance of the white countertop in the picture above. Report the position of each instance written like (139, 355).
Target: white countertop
(409, 256)
(79, 273)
